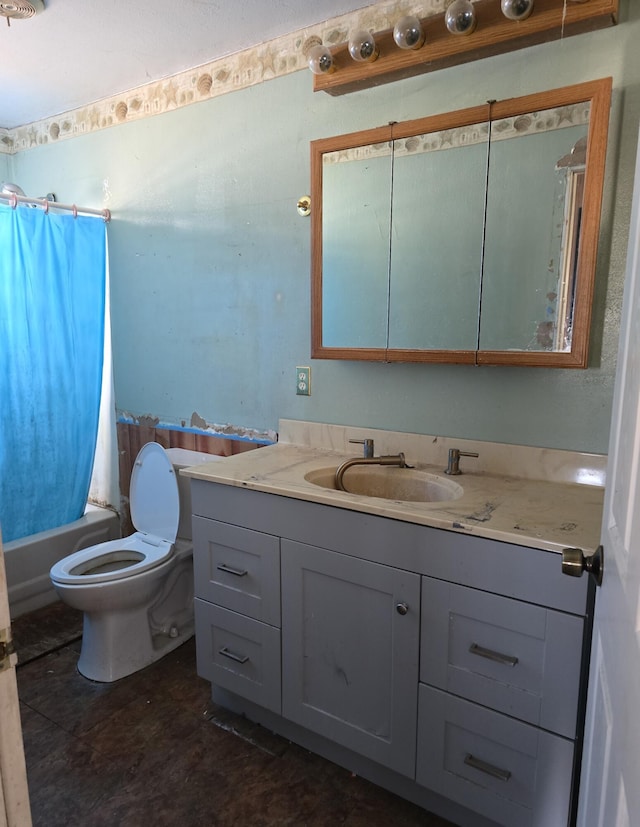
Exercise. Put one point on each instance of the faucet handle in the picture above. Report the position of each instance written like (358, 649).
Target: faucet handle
(453, 467)
(368, 446)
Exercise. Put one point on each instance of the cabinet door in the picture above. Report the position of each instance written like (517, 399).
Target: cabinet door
(350, 638)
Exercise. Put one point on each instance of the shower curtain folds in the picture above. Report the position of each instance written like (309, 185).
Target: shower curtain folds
(52, 300)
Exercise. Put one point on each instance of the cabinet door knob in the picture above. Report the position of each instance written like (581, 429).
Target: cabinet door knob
(402, 608)
(574, 562)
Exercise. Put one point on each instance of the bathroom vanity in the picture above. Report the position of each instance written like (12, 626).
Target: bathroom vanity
(434, 648)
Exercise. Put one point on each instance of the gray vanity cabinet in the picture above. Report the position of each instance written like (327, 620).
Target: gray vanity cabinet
(350, 652)
(449, 668)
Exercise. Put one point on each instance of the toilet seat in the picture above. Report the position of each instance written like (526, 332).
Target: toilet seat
(129, 556)
(155, 512)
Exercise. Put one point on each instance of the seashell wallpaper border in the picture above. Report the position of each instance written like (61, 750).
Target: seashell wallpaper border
(546, 120)
(266, 61)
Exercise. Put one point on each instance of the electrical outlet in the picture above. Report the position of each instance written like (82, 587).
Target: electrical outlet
(303, 381)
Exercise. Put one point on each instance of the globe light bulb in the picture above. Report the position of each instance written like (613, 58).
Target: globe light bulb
(320, 60)
(516, 9)
(362, 46)
(460, 17)
(408, 33)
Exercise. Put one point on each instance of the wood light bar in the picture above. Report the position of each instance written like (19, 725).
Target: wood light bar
(493, 35)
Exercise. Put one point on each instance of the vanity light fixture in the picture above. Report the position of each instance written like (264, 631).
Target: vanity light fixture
(408, 33)
(320, 60)
(473, 29)
(319, 57)
(363, 47)
(460, 17)
(516, 9)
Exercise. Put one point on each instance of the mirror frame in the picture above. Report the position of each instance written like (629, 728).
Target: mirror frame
(598, 94)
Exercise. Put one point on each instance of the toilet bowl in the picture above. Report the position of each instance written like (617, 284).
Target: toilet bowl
(137, 593)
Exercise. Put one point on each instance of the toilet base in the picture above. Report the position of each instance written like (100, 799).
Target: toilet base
(119, 644)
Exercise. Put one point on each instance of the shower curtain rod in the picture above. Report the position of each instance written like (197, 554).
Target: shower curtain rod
(15, 199)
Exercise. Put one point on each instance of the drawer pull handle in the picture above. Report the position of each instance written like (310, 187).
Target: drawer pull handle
(477, 764)
(232, 655)
(507, 660)
(231, 570)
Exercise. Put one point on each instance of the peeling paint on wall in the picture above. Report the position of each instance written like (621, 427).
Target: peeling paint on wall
(231, 431)
(147, 421)
(199, 424)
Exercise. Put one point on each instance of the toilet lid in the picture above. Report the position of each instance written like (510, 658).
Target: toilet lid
(154, 498)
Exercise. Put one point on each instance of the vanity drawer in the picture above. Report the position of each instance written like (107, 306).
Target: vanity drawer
(513, 773)
(238, 654)
(237, 568)
(520, 659)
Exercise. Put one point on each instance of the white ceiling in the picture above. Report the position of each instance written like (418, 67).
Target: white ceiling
(76, 52)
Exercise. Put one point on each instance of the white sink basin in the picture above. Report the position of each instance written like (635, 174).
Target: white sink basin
(390, 483)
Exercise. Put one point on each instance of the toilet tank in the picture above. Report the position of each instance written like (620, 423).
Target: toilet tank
(183, 458)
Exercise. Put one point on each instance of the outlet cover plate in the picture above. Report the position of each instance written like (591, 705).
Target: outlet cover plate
(303, 381)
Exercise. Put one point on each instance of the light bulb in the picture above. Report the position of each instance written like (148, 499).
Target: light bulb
(362, 46)
(320, 60)
(516, 9)
(460, 17)
(408, 33)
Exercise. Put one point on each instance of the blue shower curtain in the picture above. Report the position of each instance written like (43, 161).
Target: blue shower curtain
(52, 294)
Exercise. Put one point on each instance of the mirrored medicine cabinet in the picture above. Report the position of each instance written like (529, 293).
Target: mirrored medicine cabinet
(467, 237)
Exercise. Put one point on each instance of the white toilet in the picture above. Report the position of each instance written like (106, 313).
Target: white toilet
(137, 593)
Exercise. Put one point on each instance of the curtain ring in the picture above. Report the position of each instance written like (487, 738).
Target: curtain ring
(13, 201)
(46, 207)
(74, 210)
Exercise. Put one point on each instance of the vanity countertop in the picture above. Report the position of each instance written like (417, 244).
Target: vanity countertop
(541, 498)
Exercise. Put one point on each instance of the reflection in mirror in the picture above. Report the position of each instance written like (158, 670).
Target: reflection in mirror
(445, 239)
(534, 204)
(572, 173)
(436, 239)
(356, 208)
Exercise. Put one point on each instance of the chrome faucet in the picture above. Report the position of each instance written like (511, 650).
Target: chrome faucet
(368, 459)
(453, 466)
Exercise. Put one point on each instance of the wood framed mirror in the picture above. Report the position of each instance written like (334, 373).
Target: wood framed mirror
(467, 237)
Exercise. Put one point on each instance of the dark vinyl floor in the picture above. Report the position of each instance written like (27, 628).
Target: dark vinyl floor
(152, 750)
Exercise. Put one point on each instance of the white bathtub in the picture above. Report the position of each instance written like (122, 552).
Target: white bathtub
(29, 559)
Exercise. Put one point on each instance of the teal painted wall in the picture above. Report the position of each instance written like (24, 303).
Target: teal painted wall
(210, 260)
